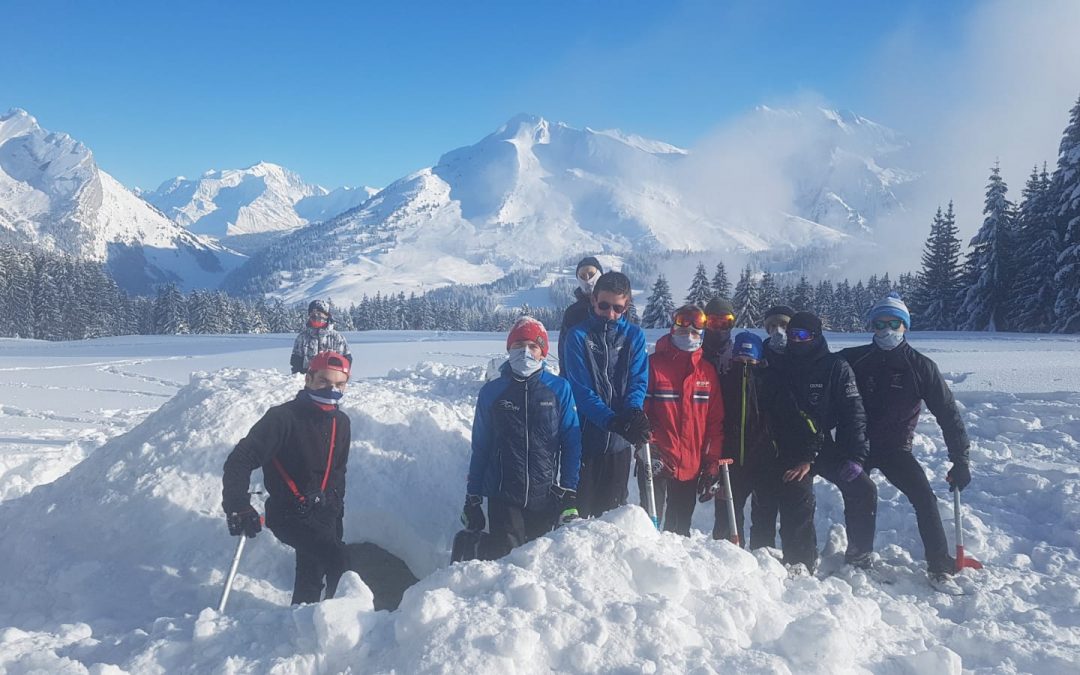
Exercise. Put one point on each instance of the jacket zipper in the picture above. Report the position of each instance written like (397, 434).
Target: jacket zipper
(607, 381)
(526, 384)
(742, 426)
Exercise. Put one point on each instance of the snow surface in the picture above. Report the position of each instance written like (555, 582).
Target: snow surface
(112, 561)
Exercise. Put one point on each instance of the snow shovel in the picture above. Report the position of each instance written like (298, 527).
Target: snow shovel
(733, 529)
(962, 561)
(650, 491)
(232, 574)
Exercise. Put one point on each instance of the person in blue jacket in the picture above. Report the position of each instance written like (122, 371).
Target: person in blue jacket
(526, 447)
(608, 368)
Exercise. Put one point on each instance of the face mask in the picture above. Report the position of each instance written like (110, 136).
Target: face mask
(326, 395)
(523, 363)
(317, 324)
(587, 285)
(687, 343)
(778, 340)
(888, 339)
(716, 339)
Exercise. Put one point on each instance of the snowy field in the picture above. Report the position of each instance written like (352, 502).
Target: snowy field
(115, 546)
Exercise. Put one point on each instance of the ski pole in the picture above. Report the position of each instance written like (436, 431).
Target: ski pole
(650, 492)
(232, 574)
(733, 529)
(961, 560)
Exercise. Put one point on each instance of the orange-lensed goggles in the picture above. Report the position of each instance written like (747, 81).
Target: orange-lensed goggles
(720, 321)
(690, 319)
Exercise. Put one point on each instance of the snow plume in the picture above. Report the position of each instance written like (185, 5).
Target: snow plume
(1000, 92)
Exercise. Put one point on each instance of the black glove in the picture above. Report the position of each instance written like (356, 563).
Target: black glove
(297, 363)
(472, 516)
(246, 522)
(708, 485)
(959, 476)
(567, 504)
(620, 423)
(640, 430)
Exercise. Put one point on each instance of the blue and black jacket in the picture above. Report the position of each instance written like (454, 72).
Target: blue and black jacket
(525, 439)
(608, 367)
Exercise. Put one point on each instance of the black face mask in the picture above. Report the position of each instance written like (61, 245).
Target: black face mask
(801, 349)
(716, 339)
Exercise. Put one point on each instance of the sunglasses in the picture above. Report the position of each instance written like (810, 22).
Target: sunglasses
(800, 335)
(695, 320)
(604, 306)
(880, 324)
(720, 321)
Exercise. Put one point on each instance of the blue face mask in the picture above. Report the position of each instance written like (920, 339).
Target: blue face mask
(523, 363)
(326, 395)
(888, 339)
(687, 343)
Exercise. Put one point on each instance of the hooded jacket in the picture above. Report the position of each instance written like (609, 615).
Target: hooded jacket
(525, 439)
(608, 368)
(685, 405)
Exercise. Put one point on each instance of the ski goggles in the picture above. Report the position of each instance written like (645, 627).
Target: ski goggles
(881, 324)
(690, 318)
(800, 334)
(605, 306)
(720, 321)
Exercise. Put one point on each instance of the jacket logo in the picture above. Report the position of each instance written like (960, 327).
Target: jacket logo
(701, 383)
(547, 404)
(815, 398)
(591, 344)
(817, 385)
(504, 404)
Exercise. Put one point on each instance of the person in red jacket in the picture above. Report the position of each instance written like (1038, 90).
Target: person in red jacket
(686, 410)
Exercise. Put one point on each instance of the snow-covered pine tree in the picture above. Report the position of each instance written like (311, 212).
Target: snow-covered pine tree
(721, 286)
(824, 302)
(803, 297)
(169, 311)
(48, 321)
(937, 286)
(986, 299)
(1066, 198)
(769, 294)
(1033, 291)
(747, 313)
(700, 291)
(660, 306)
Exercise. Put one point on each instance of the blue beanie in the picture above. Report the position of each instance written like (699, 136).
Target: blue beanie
(747, 344)
(891, 305)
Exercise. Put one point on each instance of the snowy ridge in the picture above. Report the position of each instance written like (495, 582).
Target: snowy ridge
(53, 195)
(112, 563)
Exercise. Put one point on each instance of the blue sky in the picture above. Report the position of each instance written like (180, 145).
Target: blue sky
(363, 93)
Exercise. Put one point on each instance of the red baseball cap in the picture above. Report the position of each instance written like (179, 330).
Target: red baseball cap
(528, 328)
(329, 361)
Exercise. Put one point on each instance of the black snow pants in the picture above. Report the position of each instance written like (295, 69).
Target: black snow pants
(904, 471)
(320, 552)
(675, 501)
(860, 507)
(603, 484)
(795, 503)
(512, 526)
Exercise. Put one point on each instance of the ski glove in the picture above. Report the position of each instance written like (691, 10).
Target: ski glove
(246, 522)
(959, 476)
(708, 485)
(850, 470)
(472, 516)
(567, 504)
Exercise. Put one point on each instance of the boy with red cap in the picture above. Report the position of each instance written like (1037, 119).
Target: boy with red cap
(526, 447)
(686, 410)
(302, 447)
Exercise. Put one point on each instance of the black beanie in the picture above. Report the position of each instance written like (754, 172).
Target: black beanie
(719, 306)
(807, 321)
(589, 260)
(778, 310)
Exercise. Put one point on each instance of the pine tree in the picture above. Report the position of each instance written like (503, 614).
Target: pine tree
(720, 285)
(700, 292)
(169, 311)
(803, 298)
(937, 287)
(1065, 196)
(985, 301)
(824, 304)
(660, 306)
(1033, 292)
(769, 294)
(747, 313)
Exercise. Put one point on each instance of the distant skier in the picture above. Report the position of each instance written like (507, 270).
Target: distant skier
(608, 368)
(686, 411)
(719, 321)
(303, 448)
(526, 448)
(317, 336)
(894, 380)
(824, 389)
(587, 273)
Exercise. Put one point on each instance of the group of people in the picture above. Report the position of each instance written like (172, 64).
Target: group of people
(550, 448)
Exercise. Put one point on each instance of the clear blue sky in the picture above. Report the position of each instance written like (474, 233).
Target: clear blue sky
(363, 93)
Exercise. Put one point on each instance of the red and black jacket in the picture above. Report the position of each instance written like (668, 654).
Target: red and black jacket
(686, 408)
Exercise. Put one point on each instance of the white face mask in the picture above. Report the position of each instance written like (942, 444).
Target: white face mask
(523, 363)
(687, 343)
(778, 340)
(587, 285)
(888, 339)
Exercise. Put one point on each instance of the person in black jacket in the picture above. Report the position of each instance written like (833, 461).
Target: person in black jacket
(303, 448)
(716, 347)
(587, 273)
(894, 380)
(824, 390)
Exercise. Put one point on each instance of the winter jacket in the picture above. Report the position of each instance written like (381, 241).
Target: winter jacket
(608, 368)
(824, 389)
(297, 434)
(525, 439)
(746, 434)
(574, 314)
(718, 354)
(893, 385)
(686, 408)
(311, 341)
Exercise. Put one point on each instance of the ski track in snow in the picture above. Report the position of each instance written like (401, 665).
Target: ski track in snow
(112, 560)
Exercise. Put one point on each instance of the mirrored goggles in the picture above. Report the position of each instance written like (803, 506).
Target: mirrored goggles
(690, 319)
(800, 335)
(720, 321)
(882, 324)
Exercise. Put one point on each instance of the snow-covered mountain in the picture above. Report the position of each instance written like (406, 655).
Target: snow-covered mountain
(53, 195)
(534, 192)
(261, 199)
